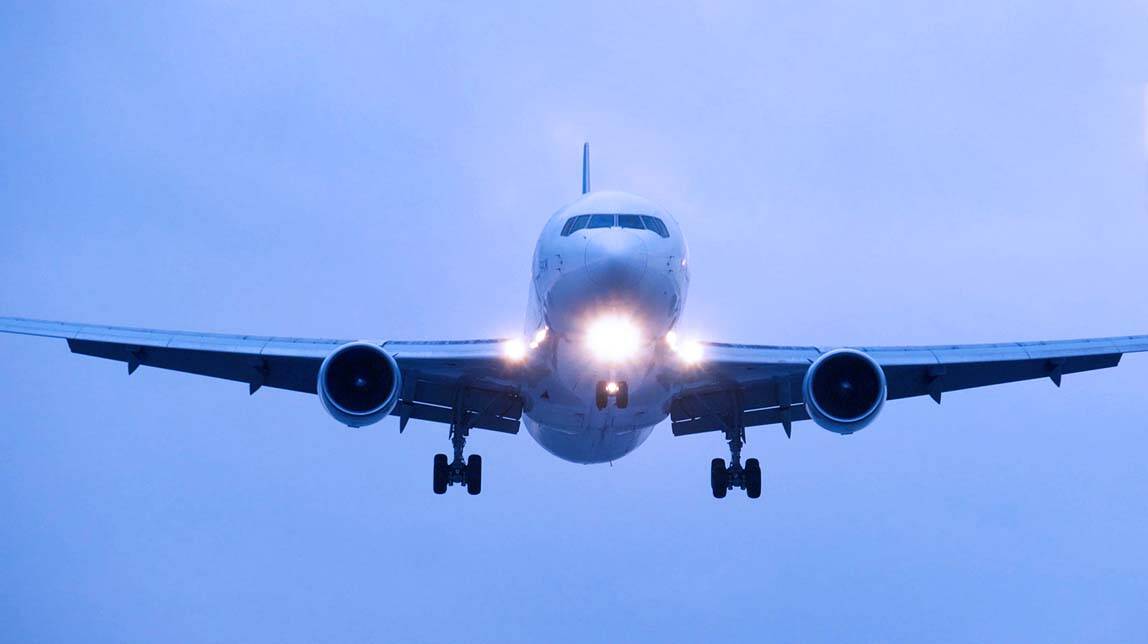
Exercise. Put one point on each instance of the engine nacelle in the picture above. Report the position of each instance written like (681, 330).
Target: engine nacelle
(844, 390)
(359, 384)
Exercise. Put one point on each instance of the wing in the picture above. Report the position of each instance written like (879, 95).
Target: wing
(761, 385)
(459, 382)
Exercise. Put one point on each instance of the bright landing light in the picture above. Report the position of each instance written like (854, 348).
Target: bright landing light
(613, 338)
(690, 351)
(514, 350)
(539, 338)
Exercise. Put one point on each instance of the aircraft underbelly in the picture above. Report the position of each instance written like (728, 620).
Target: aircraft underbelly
(565, 420)
(587, 445)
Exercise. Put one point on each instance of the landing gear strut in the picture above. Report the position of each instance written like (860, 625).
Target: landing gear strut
(724, 478)
(466, 473)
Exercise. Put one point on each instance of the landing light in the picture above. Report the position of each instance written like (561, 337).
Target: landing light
(690, 352)
(539, 337)
(514, 350)
(613, 338)
(612, 388)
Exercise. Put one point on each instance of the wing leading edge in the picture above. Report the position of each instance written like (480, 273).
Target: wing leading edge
(751, 385)
(461, 383)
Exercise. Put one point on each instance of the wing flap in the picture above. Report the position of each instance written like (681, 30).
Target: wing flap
(917, 380)
(754, 418)
(506, 422)
(470, 395)
(763, 402)
(280, 362)
(283, 372)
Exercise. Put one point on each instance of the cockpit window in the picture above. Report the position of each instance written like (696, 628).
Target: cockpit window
(630, 221)
(637, 222)
(575, 223)
(656, 225)
(601, 221)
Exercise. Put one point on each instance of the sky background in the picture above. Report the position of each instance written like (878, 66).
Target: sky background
(845, 173)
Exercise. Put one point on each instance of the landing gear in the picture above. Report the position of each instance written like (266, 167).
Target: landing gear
(719, 478)
(467, 473)
(619, 391)
(724, 478)
(441, 473)
(752, 478)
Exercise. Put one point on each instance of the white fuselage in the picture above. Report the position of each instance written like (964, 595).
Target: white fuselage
(640, 275)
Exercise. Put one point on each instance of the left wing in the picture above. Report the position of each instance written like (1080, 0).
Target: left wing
(749, 385)
(462, 382)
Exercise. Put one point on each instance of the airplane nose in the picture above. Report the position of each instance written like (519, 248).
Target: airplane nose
(616, 258)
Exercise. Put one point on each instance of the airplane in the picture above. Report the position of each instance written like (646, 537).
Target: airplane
(600, 362)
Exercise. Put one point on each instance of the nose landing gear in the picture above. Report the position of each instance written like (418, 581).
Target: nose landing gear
(724, 478)
(466, 473)
(607, 389)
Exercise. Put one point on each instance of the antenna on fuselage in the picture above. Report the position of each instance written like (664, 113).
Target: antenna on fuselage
(585, 167)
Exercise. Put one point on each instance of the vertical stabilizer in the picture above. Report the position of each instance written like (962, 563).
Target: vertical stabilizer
(585, 167)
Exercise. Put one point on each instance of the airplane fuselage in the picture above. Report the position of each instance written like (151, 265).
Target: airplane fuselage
(595, 277)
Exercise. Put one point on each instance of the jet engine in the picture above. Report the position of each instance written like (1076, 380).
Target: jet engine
(359, 384)
(844, 390)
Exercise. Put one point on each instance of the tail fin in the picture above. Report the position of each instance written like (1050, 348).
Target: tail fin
(585, 167)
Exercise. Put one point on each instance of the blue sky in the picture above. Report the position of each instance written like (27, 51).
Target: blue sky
(962, 172)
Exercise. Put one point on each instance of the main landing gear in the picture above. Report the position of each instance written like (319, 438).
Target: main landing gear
(724, 478)
(466, 473)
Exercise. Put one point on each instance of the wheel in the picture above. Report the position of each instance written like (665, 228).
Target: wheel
(752, 478)
(622, 400)
(441, 473)
(719, 478)
(600, 397)
(474, 474)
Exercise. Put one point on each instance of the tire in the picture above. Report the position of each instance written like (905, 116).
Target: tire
(441, 473)
(719, 478)
(622, 400)
(474, 474)
(752, 478)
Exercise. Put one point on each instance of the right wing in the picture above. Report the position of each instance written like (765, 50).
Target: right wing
(753, 385)
(464, 383)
